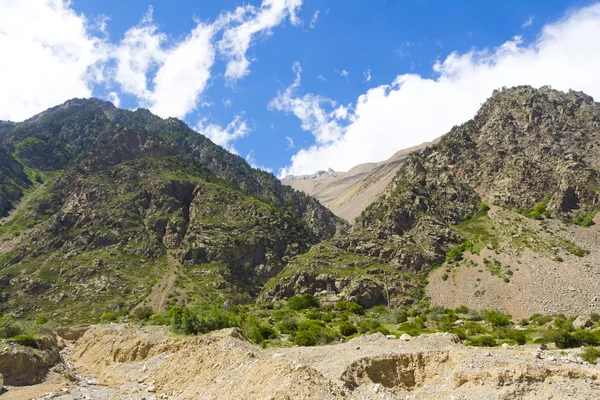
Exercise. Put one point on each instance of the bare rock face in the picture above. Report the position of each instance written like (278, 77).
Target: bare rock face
(21, 366)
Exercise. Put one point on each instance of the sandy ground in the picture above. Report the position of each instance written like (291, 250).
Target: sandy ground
(128, 362)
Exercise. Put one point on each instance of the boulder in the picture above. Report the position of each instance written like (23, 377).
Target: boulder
(582, 322)
(406, 337)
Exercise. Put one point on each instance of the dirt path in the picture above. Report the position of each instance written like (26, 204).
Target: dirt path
(157, 299)
(12, 213)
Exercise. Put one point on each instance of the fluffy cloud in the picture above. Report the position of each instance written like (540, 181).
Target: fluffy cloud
(238, 128)
(237, 40)
(57, 54)
(49, 56)
(413, 109)
(311, 110)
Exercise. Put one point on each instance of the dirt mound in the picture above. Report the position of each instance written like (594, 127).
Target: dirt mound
(124, 361)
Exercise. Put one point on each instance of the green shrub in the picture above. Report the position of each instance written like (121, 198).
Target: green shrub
(350, 306)
(539, 319)
(482, 341)
(109, 316)
(461, 310)
(9, 326)
(142, 313)
(305, 338)
(585, 337)
(314, 314)
(595, 317)
(517, 336)
(368, 325)
(401, 316)
(347, 329)
(564, 340)
(590, 354)
(25, 340)
(287, 327)
(303, 302)
(497, 318)
(185, 321)
(483, 207)
(381, 329)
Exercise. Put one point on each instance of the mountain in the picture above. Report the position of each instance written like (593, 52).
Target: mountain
(347, 194)
(503, 206)
(106, 209)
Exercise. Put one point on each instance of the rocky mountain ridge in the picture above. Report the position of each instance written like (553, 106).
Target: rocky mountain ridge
(533, 151)
(129, 197)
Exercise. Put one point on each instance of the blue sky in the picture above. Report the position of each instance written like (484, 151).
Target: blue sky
(296, 107)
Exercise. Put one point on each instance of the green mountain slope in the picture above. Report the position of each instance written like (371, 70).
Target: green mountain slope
(128, 198)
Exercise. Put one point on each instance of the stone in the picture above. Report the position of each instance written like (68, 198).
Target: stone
(582, 322)
(406, 337)
(151, 389)
(390, 337)
(543, 346)
(459, 322)
(505, 345)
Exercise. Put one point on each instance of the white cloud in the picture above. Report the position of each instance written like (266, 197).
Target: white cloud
(413, 109)
(313, 21)
(344, 73)
(236, 40)
(527, 23)
(238, 128)
(290, 141)
(184, 74)
(227, 102)
(250, 160)
(49, 56)
(311, 110)
(139, 50)
(114, 98)
(57, 54)
(367, 75)
(321, 78)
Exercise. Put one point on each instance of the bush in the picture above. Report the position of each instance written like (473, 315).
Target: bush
(586, 337)
(142, 313)
(483, 207)
(590, 354)
(305, 338)
(183, 320)
(287, 327)
(26, 340)
(350, 306)
(9, 326)
(401, 316)
(517, 336)
(564, 340)
(303, 302)
(461, 310)
(482, 341)
(109, 316)
(595, 317)
(497, 318)
(347, 329)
